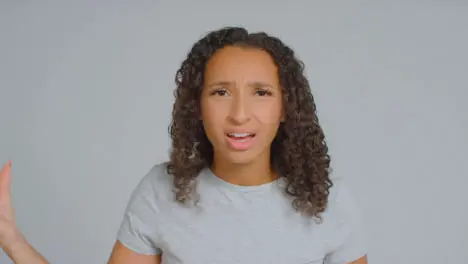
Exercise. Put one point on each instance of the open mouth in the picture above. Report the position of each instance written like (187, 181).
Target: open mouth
(240, 141)
(241, 136)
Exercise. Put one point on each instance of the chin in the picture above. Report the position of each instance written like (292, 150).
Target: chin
(240, 158)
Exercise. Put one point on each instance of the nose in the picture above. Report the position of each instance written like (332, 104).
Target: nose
(240, 110)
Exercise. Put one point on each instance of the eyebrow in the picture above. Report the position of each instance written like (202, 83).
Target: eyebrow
(251, 84)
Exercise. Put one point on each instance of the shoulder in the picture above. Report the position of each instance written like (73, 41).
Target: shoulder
(155, 185)
(139, 229)
(348, 239)
(341, 196)
(157, 175)
(343, 207)
(343, 211)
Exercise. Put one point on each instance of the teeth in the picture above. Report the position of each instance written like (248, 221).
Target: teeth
(239, 134)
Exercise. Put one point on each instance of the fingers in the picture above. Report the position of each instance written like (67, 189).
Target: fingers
(5, 178)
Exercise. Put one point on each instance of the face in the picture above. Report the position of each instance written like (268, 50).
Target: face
(241, 104)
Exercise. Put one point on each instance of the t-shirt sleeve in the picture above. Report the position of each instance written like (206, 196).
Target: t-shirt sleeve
(136, 232)
(351, 241)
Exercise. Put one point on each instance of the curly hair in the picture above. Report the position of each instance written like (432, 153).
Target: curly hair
(299, 151)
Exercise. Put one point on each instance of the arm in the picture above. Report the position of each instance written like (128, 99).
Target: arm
(362, 260)
(21, 252)
(11, 240)
(123, 255)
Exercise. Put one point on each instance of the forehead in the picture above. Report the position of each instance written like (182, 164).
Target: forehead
(241, 63)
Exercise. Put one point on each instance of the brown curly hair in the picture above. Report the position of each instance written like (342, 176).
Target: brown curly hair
(299, 152)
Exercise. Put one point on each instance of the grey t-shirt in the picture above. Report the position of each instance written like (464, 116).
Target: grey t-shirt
(238, 224)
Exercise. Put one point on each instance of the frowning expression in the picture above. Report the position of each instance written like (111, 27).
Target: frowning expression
(241, 103)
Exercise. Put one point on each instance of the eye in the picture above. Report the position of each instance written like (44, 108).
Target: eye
(263, 92)
(220, 92)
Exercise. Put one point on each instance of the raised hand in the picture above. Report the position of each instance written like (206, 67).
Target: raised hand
(11, 239)
(9, 233)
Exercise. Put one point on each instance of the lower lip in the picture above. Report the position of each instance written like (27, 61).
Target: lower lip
(240, 144)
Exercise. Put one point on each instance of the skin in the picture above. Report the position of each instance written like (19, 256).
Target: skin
(241, 93)
(11, 239)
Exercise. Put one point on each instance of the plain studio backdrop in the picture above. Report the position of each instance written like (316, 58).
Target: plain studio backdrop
(86, 98)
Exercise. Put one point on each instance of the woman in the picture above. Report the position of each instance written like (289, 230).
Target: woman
(248, 180)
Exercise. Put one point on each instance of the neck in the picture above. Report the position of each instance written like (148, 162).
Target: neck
(257, 172)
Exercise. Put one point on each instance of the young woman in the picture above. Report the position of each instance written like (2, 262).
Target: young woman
(248, 180)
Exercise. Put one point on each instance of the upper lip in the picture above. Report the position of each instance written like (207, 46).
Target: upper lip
(240, 132)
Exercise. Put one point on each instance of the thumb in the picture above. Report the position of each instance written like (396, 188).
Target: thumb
(5, 179)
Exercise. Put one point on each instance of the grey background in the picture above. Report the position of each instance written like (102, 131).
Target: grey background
(86, 95)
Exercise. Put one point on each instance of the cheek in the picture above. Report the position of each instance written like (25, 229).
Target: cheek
(214, 113)
(213, 117)
(270, 114)
(270, 119)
